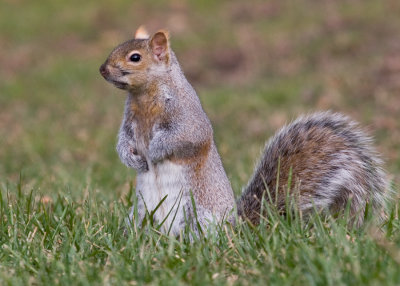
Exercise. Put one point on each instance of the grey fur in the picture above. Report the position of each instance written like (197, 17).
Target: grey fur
(347, 167)
(332, 160)
(126, 147)
(182, 133)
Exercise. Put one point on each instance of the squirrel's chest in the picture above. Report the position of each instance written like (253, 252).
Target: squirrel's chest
(139, 131)
(144, 119)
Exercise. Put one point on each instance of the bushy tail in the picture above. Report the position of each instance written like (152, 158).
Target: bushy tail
(328, 160)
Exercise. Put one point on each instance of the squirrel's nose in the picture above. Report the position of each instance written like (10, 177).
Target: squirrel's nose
(103, 70)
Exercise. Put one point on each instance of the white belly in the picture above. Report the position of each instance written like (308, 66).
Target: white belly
(165, 179)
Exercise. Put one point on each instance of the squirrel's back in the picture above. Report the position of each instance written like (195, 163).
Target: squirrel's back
(328, 161)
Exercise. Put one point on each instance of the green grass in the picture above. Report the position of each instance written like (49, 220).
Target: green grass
(81, 242)
(255, 65)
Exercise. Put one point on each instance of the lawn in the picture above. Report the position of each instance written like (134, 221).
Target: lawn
(256, 65)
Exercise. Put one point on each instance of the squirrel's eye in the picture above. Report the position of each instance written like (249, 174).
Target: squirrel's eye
(135, 57)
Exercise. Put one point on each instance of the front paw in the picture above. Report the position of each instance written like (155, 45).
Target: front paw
(131, 159)
(158, 152)
(137, 162)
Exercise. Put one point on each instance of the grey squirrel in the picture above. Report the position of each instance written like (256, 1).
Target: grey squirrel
(168, 139)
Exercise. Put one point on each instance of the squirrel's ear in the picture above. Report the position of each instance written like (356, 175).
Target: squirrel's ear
(141, 33)
(159, 45)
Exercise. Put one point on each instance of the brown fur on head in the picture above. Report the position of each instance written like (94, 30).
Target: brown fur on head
(137, 62)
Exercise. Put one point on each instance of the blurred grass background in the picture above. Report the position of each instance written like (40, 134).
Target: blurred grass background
(255, 65)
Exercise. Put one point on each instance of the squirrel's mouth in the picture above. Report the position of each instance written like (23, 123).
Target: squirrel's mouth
(119, 84)
(105, 72)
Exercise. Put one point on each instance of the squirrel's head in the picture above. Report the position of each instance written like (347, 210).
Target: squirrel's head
(137, 62)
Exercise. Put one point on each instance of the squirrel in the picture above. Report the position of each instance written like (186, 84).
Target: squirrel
(168, 139)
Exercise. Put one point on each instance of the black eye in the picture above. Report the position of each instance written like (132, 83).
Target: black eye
(135, 57)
